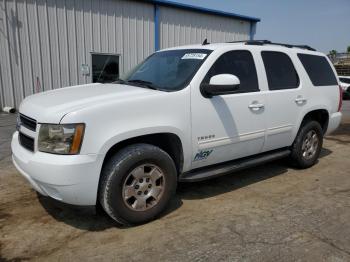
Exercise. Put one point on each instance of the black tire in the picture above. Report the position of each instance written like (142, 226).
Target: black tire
(297, 157)
(118, 169)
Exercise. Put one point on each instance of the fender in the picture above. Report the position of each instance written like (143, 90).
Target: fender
(120, 137)
(305, 112)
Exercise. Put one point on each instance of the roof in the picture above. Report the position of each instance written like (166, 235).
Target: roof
(250, 45)
(203, 10)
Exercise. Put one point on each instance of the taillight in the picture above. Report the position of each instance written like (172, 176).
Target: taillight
(340, 98)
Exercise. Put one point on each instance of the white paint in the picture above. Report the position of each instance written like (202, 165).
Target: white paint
(224, 79)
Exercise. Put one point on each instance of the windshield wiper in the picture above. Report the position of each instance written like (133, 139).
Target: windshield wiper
(143, 83)
(119, 81)
(139, 82)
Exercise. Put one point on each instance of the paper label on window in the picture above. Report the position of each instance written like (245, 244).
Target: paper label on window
(199, 56)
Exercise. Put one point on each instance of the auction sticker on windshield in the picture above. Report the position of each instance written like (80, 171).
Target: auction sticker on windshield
(199, 56)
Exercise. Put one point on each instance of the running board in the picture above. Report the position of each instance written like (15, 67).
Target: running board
(205, 173)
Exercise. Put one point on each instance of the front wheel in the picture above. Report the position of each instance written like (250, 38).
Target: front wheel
(307, 145)
(137, 184)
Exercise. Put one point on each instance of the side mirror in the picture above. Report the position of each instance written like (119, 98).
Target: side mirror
(222, 84)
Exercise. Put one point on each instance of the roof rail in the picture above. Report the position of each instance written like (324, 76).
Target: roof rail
(267, 42)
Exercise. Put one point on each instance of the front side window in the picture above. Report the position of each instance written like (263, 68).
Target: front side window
(239, 63)
(318, 69)
(167, 70)
(280, 70)
(105, 68)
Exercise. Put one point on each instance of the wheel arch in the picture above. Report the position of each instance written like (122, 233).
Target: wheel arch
(320, 115)
(169, 142)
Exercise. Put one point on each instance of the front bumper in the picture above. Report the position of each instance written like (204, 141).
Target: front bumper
(72, 179)
(334, 122)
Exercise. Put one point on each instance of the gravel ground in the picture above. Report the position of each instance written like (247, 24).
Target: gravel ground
(268, 213)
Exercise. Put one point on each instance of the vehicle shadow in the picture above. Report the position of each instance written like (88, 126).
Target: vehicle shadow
(85, 218)
(341, 135)
(228, 183)
(89, 218)
(95, 219)
(231, 182)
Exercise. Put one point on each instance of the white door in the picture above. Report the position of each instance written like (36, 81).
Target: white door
(227, 127)
(286, 99)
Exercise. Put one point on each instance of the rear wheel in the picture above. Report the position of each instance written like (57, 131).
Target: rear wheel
(137, 184)
(307, 145)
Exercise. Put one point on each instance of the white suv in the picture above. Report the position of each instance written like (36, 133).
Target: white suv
(184, 114)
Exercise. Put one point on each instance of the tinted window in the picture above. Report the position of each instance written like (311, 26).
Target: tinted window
(168, 70)
(345, 80)
(105, 68)
(318, 69)
(240, 64)
(280, 71)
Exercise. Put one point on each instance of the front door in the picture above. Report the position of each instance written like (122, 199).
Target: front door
(227, 127)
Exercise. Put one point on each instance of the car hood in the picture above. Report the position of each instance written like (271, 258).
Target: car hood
(51, 106)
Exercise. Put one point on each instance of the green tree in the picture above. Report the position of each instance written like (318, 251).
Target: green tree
(348, 49)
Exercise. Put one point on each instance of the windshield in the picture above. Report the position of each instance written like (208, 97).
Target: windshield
(167, 70)
(345, 80)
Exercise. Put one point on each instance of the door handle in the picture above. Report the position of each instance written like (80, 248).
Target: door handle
(300, 100)
(256, 106)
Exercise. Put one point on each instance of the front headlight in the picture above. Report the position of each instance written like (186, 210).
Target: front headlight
(61, 139)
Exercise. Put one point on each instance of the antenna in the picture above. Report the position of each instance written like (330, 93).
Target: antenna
(205, 42)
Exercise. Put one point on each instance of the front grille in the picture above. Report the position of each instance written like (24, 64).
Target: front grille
(26, 141)
(28, 122)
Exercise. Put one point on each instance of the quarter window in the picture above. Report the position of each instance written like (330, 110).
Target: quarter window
(280, 70)
(239, 63)
(318, 69)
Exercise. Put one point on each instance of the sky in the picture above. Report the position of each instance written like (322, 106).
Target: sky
(322, 24)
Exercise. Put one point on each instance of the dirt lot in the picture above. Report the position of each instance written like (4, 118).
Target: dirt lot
(269, 213)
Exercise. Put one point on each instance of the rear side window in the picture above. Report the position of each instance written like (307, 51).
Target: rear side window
(280, 70)
(239, 63)
(318, 69)
(344, 80)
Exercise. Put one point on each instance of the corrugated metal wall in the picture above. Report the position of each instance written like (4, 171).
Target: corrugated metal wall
(182, 27)
(44, 42)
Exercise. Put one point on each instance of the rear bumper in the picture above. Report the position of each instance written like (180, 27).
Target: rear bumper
(334, 122)
(70, 179)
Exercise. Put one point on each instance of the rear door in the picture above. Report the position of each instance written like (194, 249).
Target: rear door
(285, 99)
